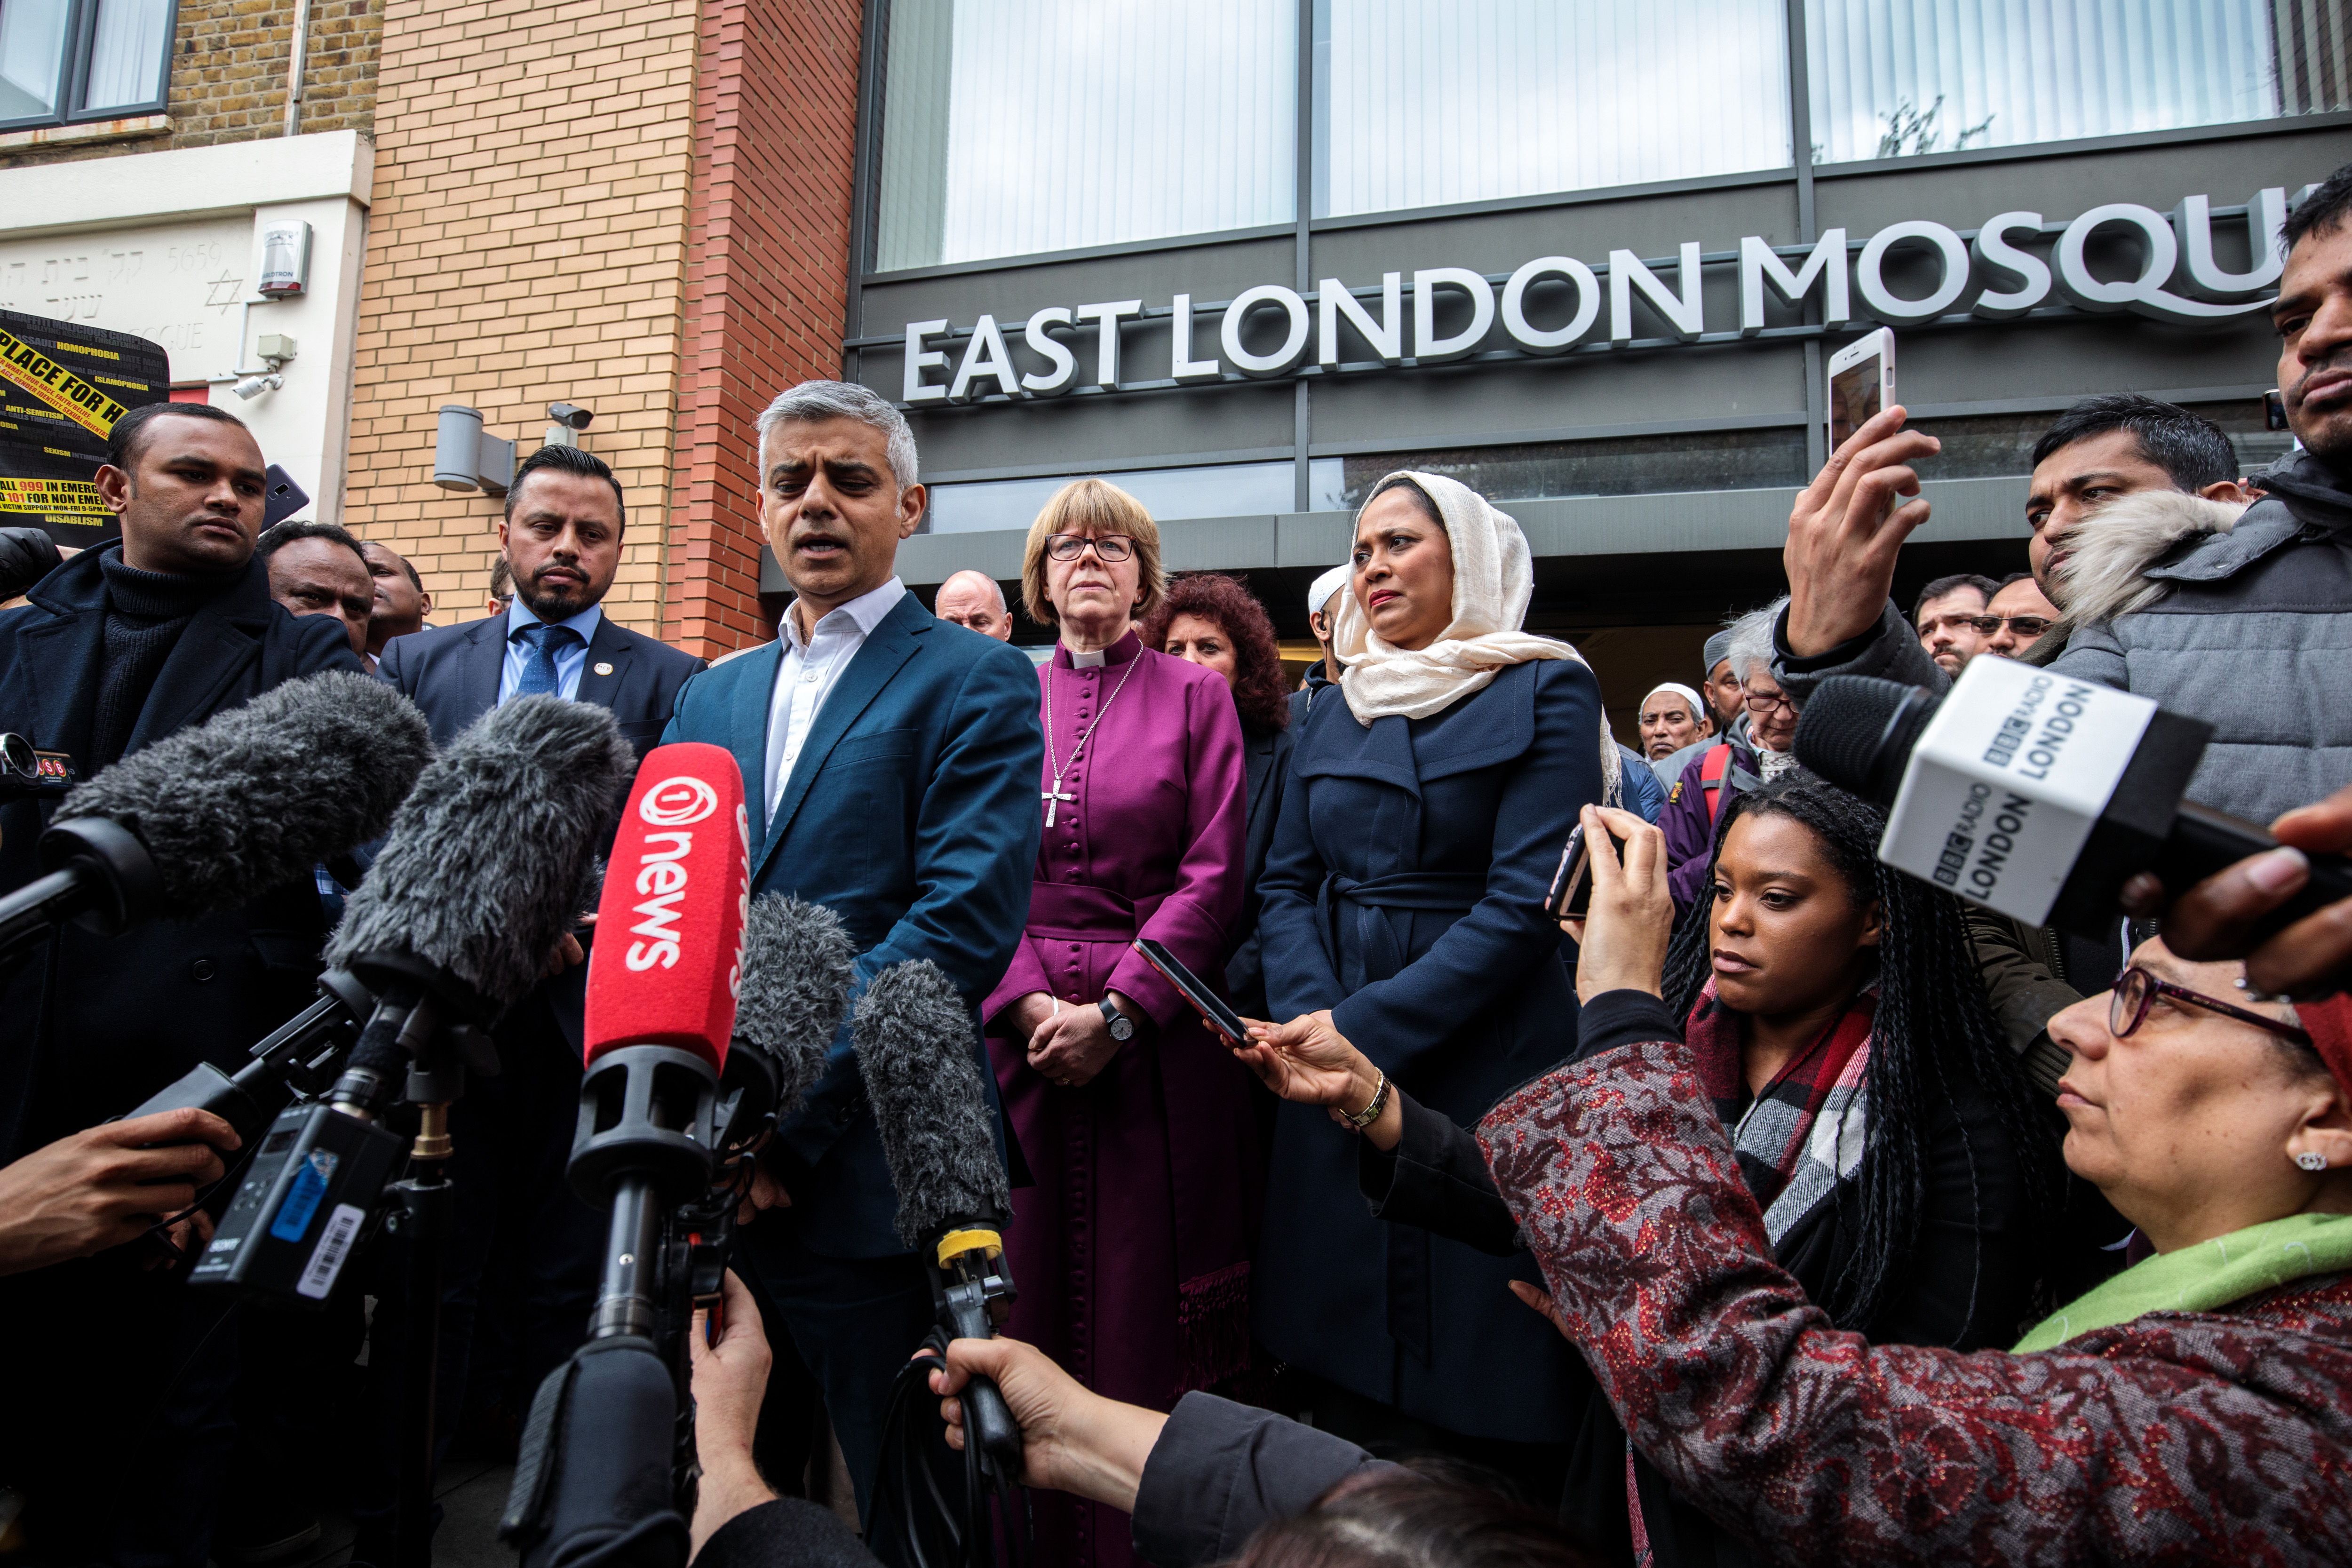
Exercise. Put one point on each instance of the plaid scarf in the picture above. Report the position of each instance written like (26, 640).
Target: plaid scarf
(1803, 1134)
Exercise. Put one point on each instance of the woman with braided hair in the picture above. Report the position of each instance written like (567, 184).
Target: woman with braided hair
(1898, 1148)
(1902, 1166)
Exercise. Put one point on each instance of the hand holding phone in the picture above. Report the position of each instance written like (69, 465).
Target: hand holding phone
(1570, 898)
(1213, 1009)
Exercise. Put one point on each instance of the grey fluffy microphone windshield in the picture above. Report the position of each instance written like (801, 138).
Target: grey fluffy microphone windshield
(913, 1036)
(798, 962)
(252, 796)
(491, 857)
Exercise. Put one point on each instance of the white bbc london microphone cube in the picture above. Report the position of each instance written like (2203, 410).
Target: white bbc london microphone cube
(2007, 782)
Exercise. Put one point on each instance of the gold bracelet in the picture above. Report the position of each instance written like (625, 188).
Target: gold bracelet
(1370, 1113)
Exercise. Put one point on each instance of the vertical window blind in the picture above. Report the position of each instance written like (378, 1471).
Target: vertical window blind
(1012, 127)
(1898, 77)
(1434, 101)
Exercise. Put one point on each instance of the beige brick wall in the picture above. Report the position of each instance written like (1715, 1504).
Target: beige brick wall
(228, 77)
(526, 244)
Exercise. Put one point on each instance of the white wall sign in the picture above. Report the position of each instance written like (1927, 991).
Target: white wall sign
(176, 284)
(2015, 263)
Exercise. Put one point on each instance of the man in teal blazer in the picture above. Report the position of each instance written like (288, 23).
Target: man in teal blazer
(890, 762)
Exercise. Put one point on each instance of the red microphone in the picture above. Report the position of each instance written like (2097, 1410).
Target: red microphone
(668, 958)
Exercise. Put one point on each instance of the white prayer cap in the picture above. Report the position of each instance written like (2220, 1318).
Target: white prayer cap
(1326, 585)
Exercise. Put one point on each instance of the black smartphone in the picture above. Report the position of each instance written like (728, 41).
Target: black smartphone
(2274, 409)
(1205, 1001)
(1572, 885)
(281, 498)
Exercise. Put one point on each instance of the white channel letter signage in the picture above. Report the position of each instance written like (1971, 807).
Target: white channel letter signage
(2007, 782)
(2015, 263)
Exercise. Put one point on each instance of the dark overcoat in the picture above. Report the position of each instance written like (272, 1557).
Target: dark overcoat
(90, 1027)
(1404, 892)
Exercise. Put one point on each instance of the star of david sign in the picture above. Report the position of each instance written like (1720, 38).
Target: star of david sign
(222, 291)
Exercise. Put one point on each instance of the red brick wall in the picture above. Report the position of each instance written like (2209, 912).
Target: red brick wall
(767, 281)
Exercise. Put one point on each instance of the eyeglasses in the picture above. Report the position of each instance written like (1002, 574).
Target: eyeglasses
(1757, 704)
(2027, 626)
(1108, 547)
(2137, 991)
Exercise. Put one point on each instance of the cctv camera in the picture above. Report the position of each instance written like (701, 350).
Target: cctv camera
(253, 386)
(570, 414)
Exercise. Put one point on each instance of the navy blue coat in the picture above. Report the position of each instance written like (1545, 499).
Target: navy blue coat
(1405, 893)
(89, 1027)
(912, 813)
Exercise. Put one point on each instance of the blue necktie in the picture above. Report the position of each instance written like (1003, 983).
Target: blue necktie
(539, 666)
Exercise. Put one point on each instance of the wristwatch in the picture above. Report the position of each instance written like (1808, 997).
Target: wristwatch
(1123, 1027)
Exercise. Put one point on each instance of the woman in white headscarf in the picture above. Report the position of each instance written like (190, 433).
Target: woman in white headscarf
(1403, 906)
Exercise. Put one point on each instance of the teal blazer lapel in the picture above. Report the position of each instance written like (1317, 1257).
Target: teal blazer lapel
(891, 646)
(747, 732)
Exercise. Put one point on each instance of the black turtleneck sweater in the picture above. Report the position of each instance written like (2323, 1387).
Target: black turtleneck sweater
(145, 613)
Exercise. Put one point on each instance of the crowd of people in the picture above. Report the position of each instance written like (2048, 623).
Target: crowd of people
(1781, 1208)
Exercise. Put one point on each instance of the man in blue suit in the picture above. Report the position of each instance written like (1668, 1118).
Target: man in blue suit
(891, 764)
(562, 537)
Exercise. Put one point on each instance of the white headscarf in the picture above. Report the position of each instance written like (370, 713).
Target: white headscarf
(1494, 578)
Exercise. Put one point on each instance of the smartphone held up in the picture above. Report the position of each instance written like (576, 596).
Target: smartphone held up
(1861, 383)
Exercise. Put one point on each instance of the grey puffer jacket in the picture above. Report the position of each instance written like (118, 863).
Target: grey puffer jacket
(2250, 631)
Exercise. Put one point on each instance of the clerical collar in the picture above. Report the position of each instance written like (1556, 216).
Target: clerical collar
(1118, 653)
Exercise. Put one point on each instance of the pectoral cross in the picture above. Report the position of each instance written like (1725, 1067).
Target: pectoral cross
(1054, 800)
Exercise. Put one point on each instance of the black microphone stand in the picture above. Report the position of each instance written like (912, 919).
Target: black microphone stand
(422, 1028)
(607, 1475)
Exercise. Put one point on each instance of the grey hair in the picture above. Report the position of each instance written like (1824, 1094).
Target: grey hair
(1751, 640)
(847, 400)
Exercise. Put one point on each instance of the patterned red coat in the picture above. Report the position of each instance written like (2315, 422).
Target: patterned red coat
(2178, 1437)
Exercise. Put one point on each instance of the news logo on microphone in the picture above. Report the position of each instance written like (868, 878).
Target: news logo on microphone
(2008, 781)
(668, 963)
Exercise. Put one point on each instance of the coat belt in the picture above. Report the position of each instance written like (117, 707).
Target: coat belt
(1378, 953)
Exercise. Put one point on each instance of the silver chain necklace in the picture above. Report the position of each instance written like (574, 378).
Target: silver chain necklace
(1054, 797)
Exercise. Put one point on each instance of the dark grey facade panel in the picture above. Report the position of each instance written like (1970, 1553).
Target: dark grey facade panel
(1153, 275)
(1085, 434)
(1963, 510)
(1451, 405)
(2077, 357)
(1650, 226)
(1963, 194)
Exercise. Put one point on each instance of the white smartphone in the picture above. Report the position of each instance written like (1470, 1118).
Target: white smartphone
(1861, 383)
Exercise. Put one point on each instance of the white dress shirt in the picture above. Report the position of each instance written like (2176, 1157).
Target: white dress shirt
(806, 672)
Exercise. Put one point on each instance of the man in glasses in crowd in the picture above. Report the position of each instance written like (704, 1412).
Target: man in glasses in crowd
(2016, 617)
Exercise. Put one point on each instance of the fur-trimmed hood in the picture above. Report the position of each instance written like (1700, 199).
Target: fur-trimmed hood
(2112, 552)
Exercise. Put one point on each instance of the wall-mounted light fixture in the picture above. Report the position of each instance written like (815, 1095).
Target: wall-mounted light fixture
(465, 458)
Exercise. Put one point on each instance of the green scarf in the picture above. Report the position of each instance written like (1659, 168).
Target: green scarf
(2208, 1275)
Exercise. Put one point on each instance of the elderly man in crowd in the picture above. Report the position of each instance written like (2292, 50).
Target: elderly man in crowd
(1671, 717)
(974, 601)
(1750, 755)
(1322, 613)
